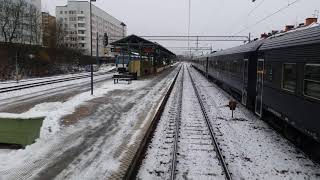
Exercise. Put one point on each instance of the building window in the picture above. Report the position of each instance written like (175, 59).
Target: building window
(66, 12)
(61, 12)
(81, 12)
(289, 77)
(312, 80)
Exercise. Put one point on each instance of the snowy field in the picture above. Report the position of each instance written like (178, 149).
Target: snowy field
(89, 148)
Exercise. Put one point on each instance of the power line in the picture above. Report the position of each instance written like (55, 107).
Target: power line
(270, 15)
(256, 7)
(189, 24)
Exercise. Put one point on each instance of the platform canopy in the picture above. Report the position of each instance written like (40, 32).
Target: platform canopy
(136, 44)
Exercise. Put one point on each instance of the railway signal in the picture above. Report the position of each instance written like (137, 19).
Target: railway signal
(232, 105)
(106, 39)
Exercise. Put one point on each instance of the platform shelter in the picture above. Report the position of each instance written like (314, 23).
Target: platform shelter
(141, 56)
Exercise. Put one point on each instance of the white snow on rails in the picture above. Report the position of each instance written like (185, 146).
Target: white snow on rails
(249, 147)
(188, 153)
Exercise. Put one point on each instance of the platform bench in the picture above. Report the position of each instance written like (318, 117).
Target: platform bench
(122, 77)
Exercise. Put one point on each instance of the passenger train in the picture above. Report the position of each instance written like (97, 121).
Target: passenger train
(279, 75)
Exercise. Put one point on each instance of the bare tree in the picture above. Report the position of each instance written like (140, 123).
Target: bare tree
(61, 34)
(18, 17)
(35, 24)
(11, 18)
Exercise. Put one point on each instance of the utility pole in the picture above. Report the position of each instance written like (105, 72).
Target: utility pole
(189, 24)
(97, 57)
(17, 68)
(91, 45)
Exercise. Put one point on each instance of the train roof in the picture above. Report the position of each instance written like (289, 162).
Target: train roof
(296, 38)
(252, 46)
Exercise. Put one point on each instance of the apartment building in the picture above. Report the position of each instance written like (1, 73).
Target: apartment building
(74, 19)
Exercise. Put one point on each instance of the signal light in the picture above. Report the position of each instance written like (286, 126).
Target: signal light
(106, 39)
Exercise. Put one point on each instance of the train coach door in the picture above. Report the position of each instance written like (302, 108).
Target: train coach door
(245, 82)
(259, 87)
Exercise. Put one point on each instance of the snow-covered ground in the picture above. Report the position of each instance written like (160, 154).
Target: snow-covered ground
(103, 69)
(105, 125)
(253, 150)
(196, 157)
(37, 92)
(88, 149)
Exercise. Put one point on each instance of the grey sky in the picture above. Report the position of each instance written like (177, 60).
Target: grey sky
(209, 17)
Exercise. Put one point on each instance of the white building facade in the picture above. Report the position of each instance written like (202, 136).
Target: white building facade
(74, 18)
(23, 29)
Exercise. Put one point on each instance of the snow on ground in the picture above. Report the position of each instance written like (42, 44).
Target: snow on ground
(87, 149)
(196, 157)
(253, 149)
(54, 111)
(106, 67)
(145, 104)
(157, 163)
(43, 90)
(103, 68)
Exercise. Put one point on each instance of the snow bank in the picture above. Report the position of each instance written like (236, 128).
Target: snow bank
(55, 111)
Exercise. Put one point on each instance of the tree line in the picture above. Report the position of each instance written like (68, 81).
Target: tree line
(20, 22)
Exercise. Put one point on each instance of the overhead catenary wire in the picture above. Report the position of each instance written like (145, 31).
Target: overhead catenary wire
(268, 16)
(256, 7)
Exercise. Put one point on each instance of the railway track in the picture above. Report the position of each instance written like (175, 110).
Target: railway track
(177, 122)
(212, 134)
(43, 83)
(42, 78)
(184, 142)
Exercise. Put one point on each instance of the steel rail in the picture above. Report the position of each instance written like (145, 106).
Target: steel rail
(135, 164)
(176, 135)
(43, 78)
(212, 134)
(43, 83)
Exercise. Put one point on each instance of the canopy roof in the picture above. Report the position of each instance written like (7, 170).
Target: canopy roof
(142, 46)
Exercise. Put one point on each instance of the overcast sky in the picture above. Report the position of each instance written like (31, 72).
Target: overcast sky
(208, 17)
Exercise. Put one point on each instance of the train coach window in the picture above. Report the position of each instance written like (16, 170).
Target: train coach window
(289, 77)
(312, 80)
